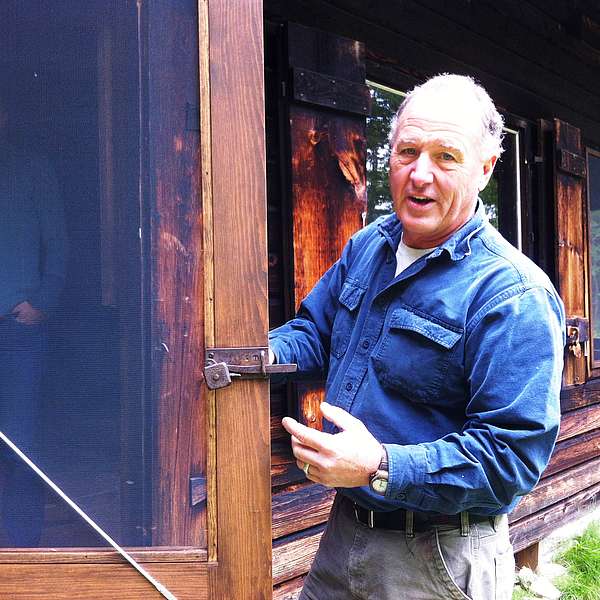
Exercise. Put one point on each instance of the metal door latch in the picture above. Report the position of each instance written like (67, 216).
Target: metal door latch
(222, 364)
(577, 334)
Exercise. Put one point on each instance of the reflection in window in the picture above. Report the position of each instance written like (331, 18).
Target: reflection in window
(384, 104)
(69, 339)
(594, 220)
(501, 197)
(74, 388)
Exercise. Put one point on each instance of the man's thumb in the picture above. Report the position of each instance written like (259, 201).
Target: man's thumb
(338, 416)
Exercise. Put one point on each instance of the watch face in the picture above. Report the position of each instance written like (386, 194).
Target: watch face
(379, 485)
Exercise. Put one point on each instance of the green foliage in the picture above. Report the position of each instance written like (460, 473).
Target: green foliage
(595, 268)
(582, 559)
(490, 199)
(520, 594)
(384, 106)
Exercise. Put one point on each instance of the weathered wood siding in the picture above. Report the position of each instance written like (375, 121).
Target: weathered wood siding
(540, 61)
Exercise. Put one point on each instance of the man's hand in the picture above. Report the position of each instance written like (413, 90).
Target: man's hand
(344, 459)
(27, 314)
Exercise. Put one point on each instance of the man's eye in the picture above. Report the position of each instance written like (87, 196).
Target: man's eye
(408, 151)
(447, 156)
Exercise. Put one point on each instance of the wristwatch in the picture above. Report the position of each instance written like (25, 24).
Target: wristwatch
(378, 481)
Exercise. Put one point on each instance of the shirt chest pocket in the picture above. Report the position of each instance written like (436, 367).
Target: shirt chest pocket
(350, 298)
(415, 354)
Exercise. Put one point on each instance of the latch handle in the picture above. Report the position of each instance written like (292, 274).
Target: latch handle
(224, 363)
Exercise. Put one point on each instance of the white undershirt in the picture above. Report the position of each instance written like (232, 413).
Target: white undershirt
(406, 256)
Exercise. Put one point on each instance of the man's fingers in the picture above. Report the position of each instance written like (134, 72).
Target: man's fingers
(339, 417)
(314, 473)
(305, 435)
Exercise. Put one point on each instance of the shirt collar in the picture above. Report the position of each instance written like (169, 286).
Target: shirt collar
(457, 245)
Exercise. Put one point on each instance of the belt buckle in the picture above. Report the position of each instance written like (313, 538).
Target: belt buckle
(370, 518)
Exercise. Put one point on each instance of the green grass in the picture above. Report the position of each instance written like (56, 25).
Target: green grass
(520, 593)
(582, 581)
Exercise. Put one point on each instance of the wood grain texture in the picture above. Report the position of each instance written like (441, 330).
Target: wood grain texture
(579, 421)
(101, 581)
(300, 507)
(240, 298)
(328, 174)
(176, 273)
(293, 557)
(421, 42)
(556, 488)
(289, 590)
(579, 396)
(209, 273)
(534, 528)
(571, 251)
(528, 557)
(574, 451)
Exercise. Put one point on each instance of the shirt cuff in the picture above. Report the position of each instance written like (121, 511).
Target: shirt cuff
(407, 468)
(279, 350)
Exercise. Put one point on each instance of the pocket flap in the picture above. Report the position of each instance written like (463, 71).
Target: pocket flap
(351, 294)
(441, 334)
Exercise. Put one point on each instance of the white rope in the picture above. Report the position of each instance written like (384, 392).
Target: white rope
(161, 588)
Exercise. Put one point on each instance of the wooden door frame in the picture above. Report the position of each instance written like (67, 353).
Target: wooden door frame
(235, 229)
(237, 562)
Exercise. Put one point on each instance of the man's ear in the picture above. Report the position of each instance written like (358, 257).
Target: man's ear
(488, 169)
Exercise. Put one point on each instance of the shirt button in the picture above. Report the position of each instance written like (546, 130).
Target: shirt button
(349, 386)
(366, 344)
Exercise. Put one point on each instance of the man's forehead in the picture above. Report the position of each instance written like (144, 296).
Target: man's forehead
(414, 132)
(443, 119)
(455, 110)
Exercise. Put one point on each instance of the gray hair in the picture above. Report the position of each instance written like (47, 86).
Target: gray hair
(492, 122)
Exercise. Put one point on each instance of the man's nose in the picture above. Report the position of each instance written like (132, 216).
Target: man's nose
(422, 173)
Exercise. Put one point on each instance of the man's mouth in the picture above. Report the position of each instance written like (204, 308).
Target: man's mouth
(420, 200)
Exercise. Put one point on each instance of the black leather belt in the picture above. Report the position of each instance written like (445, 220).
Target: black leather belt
(400, 519)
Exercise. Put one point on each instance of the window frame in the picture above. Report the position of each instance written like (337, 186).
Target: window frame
(593, 366)
(521, 206)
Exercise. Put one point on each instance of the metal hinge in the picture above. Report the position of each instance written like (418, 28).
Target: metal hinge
(224, 363)
(577, 334)
(197, 490)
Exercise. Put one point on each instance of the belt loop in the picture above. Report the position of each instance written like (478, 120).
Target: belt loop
(464, 524)
(410, 524)
(497, 522)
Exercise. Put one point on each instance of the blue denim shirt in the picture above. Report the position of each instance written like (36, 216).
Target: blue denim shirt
(454, 365)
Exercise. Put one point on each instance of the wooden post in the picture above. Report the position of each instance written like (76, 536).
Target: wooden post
(528, 557)
(327, 116)
(240, 506)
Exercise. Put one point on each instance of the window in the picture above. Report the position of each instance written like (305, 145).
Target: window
(593, 187)
(384, 104)
(501, 198)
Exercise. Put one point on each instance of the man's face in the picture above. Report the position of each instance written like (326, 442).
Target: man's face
(437, 168)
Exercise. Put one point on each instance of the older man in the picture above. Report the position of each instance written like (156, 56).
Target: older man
(443, 346)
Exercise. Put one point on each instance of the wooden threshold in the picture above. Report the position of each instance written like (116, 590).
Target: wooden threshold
(102, 581)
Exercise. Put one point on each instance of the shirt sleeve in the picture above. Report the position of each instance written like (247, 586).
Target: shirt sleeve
(54, 246)
(513, 363)
(306, 339)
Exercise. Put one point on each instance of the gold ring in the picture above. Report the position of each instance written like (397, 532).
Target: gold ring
(305, 468)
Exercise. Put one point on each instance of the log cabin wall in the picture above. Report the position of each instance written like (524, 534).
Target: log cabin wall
(540, 62)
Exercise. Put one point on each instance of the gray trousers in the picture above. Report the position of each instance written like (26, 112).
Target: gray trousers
(355, 562)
